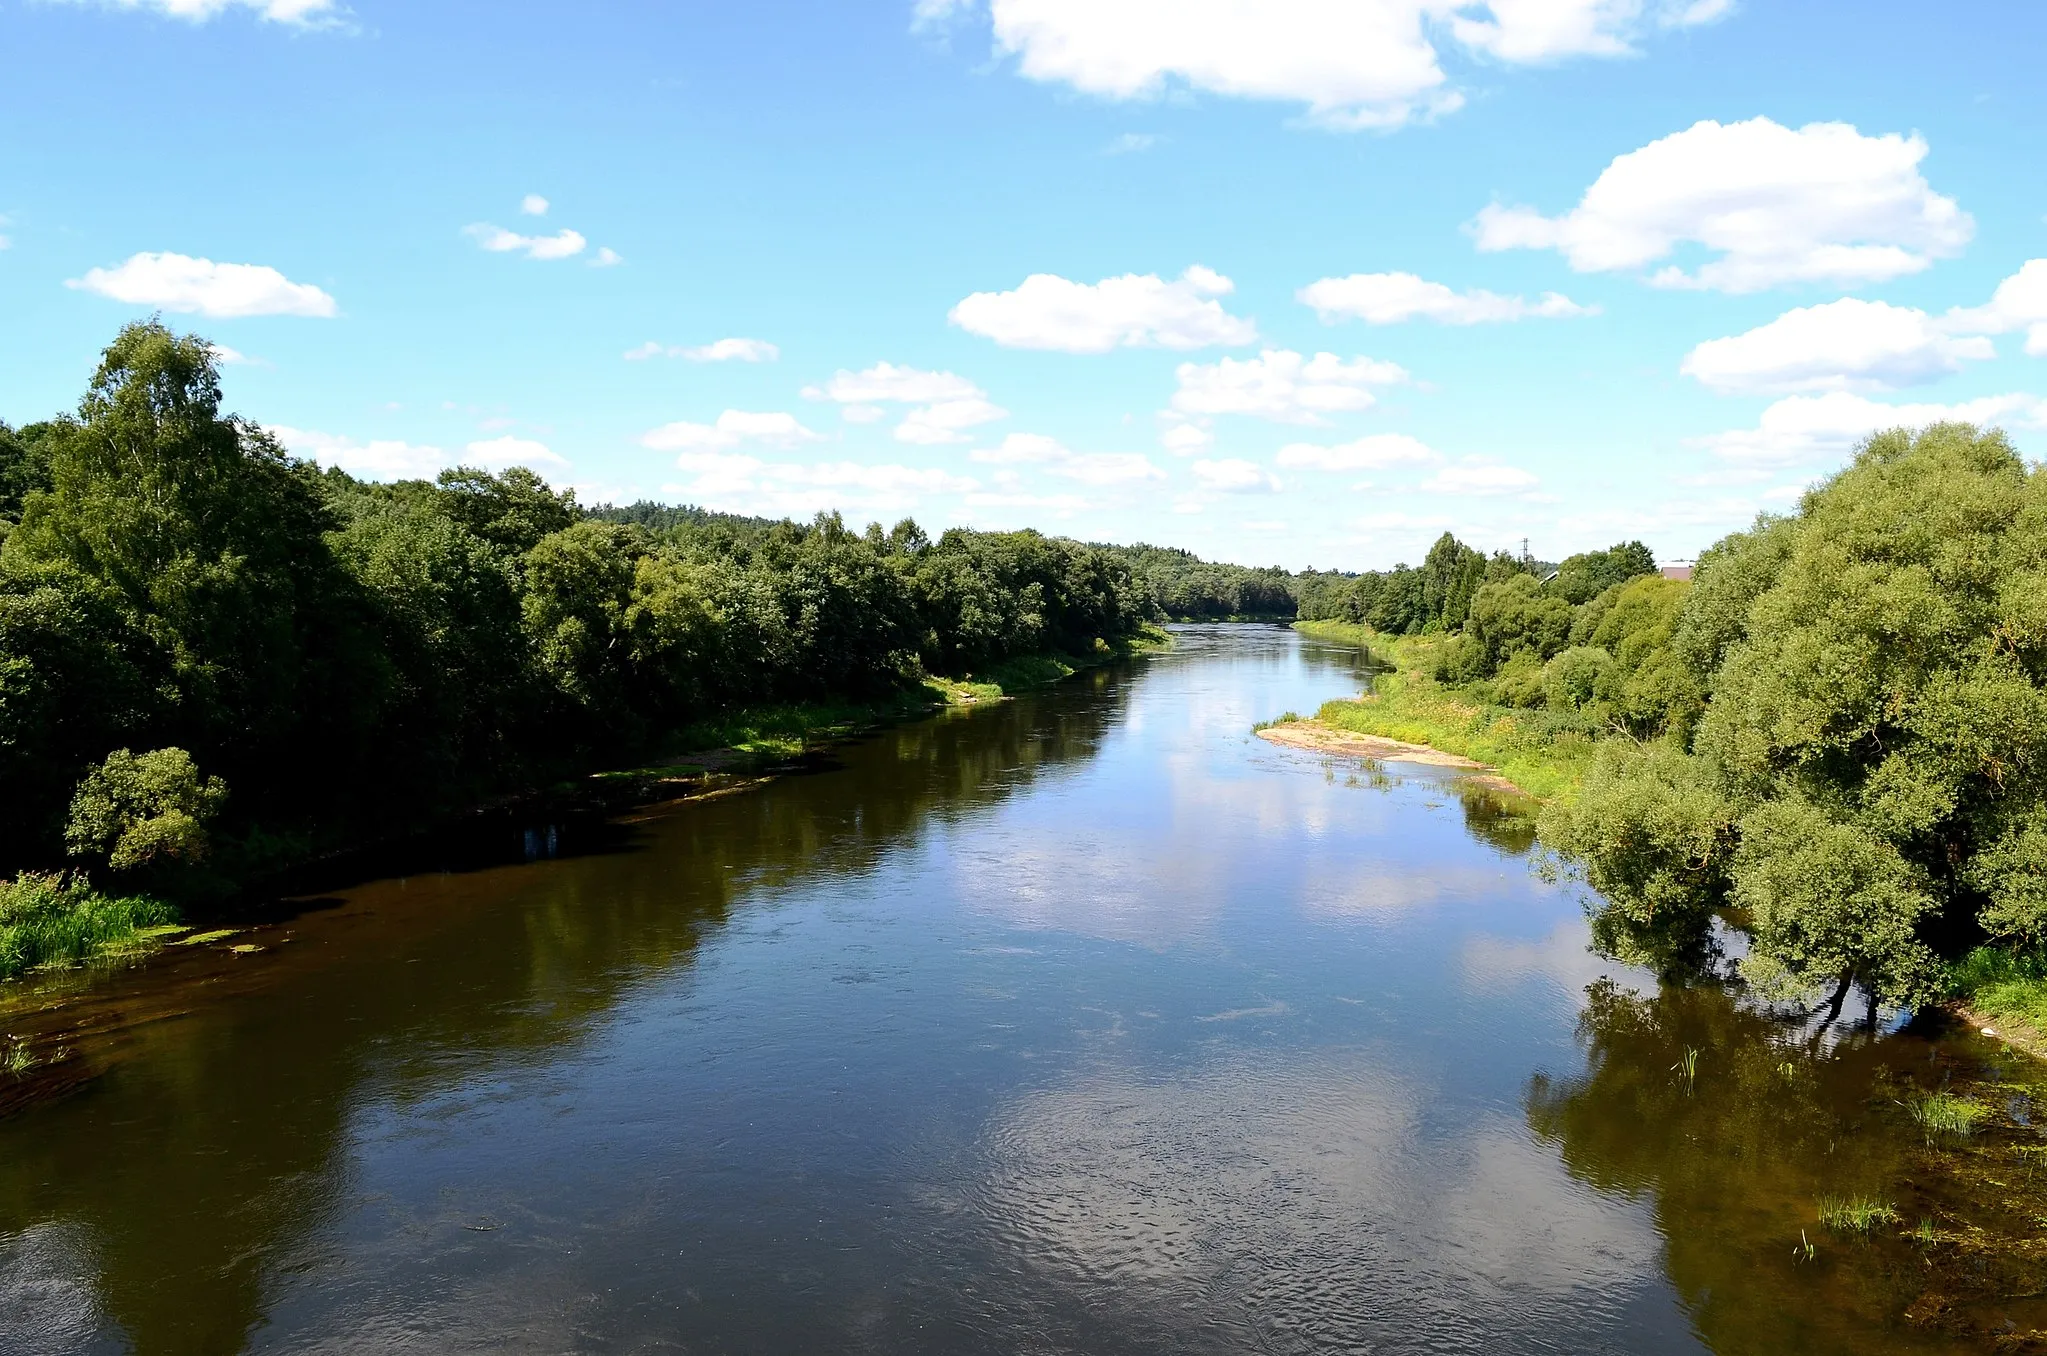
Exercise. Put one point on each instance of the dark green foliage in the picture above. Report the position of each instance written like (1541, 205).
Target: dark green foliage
(350, 656)
(1191, 589)
(1582, 578)
(1867, 784)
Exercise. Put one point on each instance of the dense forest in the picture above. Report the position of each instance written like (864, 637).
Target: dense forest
(215, 659)
(1832, 740)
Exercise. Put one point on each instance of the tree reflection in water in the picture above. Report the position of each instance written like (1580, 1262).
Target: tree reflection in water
(1735, 1125)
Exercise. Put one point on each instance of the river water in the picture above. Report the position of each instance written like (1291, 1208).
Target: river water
(1085, 1022)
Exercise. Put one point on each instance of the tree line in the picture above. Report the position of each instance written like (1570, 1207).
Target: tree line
(1832, 740)
(215, 658)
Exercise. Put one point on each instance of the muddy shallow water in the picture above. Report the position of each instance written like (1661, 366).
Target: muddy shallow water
(1085, 1022)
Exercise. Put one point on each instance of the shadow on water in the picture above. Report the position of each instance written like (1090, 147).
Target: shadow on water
(1755, 1140)
(203, 1145)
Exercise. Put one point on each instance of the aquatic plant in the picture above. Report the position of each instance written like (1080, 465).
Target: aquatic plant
(1804, 1251)
(18, 1060)
(52, 920)
(1687, 1068)
(1944, 1113)
(1855, 1214)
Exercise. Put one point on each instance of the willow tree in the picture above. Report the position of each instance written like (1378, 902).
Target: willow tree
(1866, 791)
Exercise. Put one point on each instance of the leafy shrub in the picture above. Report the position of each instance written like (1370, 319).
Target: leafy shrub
(137, 811)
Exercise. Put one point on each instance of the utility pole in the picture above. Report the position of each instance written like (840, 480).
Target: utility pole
(1525, 557)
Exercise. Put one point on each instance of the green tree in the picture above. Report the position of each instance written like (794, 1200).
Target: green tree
(1867, 780)
(139, 811)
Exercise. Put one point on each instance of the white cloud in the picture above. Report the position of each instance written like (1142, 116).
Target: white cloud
(497, 453)
(1282, 385)
(305, 13)
(1058, 505)
(1813, 428)
(607, 257)
(1055, 458)
(1130, 143)
(1353, 63)
(1539, 31)
(2020, 302)
(1822, 203)
(178, 282)
(943, 422)
(1234, 476)
(1378, 452)
(1480, 478)
(948, 403)
(1132, 311)
(1845, 345)
(739, 483)
(888, 382)
(393, 459)
(533, 205)
(862, 414)
(564, 244)
(1183, 438)
(717, 351)
(734, 428)
(1389, 298)
(230, 357)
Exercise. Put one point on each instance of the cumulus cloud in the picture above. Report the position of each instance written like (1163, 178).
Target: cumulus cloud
(563, 244)
(533, 205)
(734, 428)
(1054, 458)
(717, 351)
(303, 13)
(1282, 385)
(740, 483)
(393, 459)
(1389, 298)
(1815, 428)
(947, 403)
(1231, 475)
(1845, 345)
(2020, 303)
(1822, 203)
(1353, 63)
(1378, 452)
(1132, 311)
(607, 257)
(1480, 478)
(179, 282)
(1183, 437)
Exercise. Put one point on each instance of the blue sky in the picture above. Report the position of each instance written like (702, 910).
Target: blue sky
(1582, 270)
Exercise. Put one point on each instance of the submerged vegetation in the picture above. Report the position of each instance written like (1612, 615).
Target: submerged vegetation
(216, 660)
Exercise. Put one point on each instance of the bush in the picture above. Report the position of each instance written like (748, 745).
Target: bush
(141, 811)
(1573, 679)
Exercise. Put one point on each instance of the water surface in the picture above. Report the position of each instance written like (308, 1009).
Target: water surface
(1082, 1023)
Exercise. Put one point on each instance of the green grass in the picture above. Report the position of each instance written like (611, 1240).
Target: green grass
(47, 920)
(1544, 754)
(1943, 1113)
(1855, 1214)
(2003, 988)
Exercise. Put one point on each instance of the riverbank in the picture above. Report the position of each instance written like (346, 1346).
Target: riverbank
(1316, 737)
(50, 922)
(1536, 752)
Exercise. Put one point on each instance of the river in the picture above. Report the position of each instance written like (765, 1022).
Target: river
(1085, 1022)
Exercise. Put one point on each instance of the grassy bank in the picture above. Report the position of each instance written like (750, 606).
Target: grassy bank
(49, 920)
(2007, 992)
(1542, 753)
